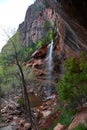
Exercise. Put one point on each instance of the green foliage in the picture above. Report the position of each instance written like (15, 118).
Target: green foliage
(72, 65)
(8, 51)
(20, 101)
(80, 127)
(29, 75)
(48, 37)
(38, 43)
(46, 3)
(30, 50)
(83, 63)
(47, 24)
(1, 71)
(8, 48)
(72, 88)
(66, 116)
(53, 125)
(50, 32)
(10, 79)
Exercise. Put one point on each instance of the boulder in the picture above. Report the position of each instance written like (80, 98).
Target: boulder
(41, 52)
(21, 123)
(46, 113)
(59, 127)
(80, 118)
(27, 126)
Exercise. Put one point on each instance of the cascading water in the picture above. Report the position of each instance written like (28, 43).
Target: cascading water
(50, 59)
(49, 68)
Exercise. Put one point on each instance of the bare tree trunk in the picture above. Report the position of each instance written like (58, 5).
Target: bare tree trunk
(27, 102)
(22, 91)
(28, 107)
(25, 89)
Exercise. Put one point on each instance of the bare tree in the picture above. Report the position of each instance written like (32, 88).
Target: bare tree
(27, 101)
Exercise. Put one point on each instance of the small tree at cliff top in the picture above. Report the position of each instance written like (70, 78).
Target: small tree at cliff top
(72, 88)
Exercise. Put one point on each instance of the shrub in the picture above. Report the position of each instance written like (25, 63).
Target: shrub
(72, 88)
(38, 43)
(66, 116)
(20, 101)
(80, 127)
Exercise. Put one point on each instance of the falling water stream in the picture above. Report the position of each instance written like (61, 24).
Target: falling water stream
(49, 68)
(50, 60)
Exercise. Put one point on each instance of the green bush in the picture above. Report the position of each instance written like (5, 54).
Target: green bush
(20, 101)
(80, 127)
(72, 88)
(38, 43)
(66, 116)
(47, 24)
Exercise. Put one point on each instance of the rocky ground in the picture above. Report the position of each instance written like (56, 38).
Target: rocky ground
(13, 118)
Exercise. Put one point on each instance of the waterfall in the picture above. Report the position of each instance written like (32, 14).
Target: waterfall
(49, 68)
(50, 59)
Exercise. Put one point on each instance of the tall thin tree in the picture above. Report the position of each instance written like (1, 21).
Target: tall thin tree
(17, 62)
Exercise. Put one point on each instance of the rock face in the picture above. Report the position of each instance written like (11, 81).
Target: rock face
(38, 21)
(74, 17)
(68, 18)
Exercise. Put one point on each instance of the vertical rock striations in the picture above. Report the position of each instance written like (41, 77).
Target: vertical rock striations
(68, 18)
(38, 20)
